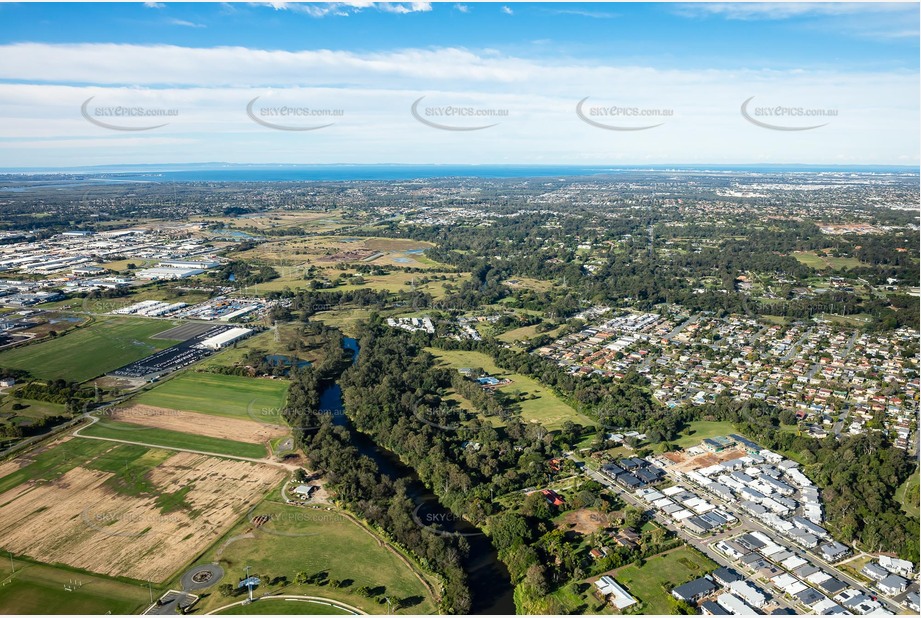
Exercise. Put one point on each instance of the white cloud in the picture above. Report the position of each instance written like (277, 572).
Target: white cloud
(349, 7)
(154, 5)
(210, 88)
(786, 10)
(507, 10)
(463, 8)
(187, 24)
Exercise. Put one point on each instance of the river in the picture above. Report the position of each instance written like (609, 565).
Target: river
(489, 581)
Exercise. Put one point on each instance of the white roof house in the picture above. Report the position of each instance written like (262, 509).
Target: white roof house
(613, 591)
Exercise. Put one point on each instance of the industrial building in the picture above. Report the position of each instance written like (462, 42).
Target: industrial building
(226, 338)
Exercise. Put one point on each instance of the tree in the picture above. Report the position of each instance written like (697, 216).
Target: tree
(225, 590)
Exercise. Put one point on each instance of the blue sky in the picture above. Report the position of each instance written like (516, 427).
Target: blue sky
(675, 74)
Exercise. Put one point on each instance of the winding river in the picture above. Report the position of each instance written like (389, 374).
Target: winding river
(490, 586)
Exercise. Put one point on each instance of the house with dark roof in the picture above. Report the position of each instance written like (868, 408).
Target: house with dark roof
(725, 576)
(695, 590)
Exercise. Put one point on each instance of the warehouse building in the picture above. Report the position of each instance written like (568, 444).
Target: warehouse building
(226, 338)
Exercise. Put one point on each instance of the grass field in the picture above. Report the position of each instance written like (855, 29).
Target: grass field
(907, 495)
(547, 408)
(220, 395)
(118, 430)
(818, 262)
(47, 464)
(82, 354)
(297, 539)
(652, 583)
(286, 607)
(39, 589)
(698, 430)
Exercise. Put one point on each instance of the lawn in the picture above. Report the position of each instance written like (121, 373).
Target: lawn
(90, 351)
(286, 607)
(297, 539)
(652, 583)
(524, 333)
(39, 589)
(118, 430)
(698, 430)
(546, 408)
(218, 394)
(907, 494)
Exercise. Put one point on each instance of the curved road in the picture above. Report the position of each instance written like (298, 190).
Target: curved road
(295, 597)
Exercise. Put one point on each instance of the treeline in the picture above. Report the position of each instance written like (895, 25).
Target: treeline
(360, 487)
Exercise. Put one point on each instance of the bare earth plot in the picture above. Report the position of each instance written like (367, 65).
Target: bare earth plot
(194, 423)
(79, 520)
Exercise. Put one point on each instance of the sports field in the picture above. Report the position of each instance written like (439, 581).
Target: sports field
(90, 351)
(42, 589)
(131, 432)
(220, 395)
(298, 539)
(546, 408)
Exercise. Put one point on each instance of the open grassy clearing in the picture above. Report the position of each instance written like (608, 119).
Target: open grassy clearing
(820, 262)
(220, 395)
(525, 333)
(698, 430)
(33, 410)
(84, 353)
(652, 583)
(546, 408)
(131, 432)
(311, 540)
(39, 589)
(908, 495)
(286, 607)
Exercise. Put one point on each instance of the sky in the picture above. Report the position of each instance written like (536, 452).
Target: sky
(459, 83)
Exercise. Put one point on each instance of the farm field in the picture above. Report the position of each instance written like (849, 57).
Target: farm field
(218, 394)
(547, 408)
(648, 582)
(132, 432)
(285, 607)
(123, 503)
(106, 344)
(197, 424)
(298, 539)
(40, 589)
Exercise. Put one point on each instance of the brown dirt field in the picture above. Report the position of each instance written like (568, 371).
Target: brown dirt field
(80, 521)
(199, 424)
(585, 521)
(685, 463)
